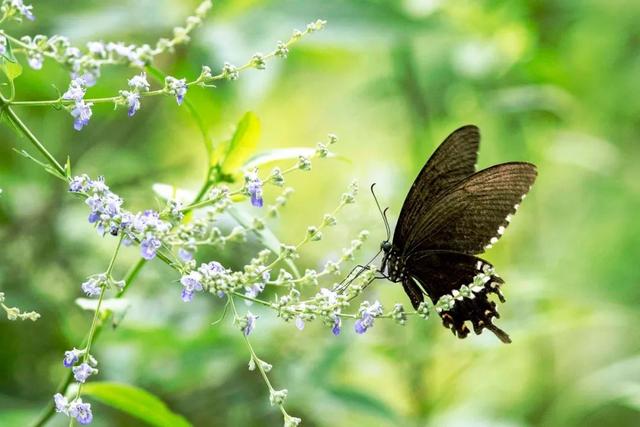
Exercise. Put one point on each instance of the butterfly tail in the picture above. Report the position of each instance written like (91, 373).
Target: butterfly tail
(502, 335)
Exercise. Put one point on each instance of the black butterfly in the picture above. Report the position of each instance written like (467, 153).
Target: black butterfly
(451, 214)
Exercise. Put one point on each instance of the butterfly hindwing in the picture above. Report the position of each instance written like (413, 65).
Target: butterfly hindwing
(474, 213)
(453, 160)
(442, 273)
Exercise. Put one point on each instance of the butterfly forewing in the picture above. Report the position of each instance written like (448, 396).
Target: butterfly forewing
(473, 213)
(453, 160)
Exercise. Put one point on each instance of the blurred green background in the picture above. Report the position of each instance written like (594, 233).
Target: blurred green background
(555, 83)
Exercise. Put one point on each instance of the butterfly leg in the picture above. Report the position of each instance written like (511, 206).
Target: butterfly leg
(344, 284)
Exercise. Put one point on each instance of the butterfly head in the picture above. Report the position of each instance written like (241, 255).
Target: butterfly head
(385, 246)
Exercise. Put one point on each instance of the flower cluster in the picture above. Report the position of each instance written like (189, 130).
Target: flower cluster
(247, 323)
(137, 84)
(108, 215)
(253, 187)
(83, 365)
(211, 277)
(14, 313)
(328, 305)
(17, 10)
(87, 64)
(80, 111)
(158, 233)
(94, 284)
(75, 409)
(368, 312)
(176, 87)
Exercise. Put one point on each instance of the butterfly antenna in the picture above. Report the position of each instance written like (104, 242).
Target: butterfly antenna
(382, 213)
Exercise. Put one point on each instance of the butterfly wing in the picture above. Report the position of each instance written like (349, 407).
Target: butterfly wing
(474, 213)
(442, 273)
(453, 160)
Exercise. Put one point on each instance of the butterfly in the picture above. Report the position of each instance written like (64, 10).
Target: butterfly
(450, 215)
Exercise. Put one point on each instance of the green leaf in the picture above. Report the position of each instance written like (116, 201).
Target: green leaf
(10, 66)
(17, 417)
(279, 154)
(8, 53)
(11, 69)
(243, 143)
(116, 305)
(67, 167)
(365, 402)
(135, 402)
(171, 192)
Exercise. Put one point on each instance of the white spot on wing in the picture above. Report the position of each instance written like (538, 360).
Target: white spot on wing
(494, 240)
(501, 230)
(508, 218)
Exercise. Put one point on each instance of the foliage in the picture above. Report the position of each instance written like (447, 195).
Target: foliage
(548, 82)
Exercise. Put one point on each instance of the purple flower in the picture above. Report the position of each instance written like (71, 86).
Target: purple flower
(120, 49)
(250, 325)
(76, 90)
(88, 76)
(99, 186)
(61, 403)
(81, 411)
(185, 255)
(82, 372)
(177, 87)
(362, 325)
(97, 49)
(111, 204)
(337, 325)
(23, 9)
(94, 217)
(71, 357)
(149, 219)
(72, 52)
(191, 283)
(79, 184)
(212, 269)
(3, 45)
(81, 113)
(254, 188)
(253, 290)
(149, 247)
(299, 323)
(139, 82)
(367, 315)
(92, 287)
(35, 60)
(133, 101)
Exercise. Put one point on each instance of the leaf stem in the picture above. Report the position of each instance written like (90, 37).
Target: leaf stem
(34, 141)
(256, 360)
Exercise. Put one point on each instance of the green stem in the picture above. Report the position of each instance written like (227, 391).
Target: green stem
(200, 81)
(49, 411)
(96, 315)
(256, 360)
(34, 141)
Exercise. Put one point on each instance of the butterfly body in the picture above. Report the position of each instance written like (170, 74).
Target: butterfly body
(393, 264)
(451, 214)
